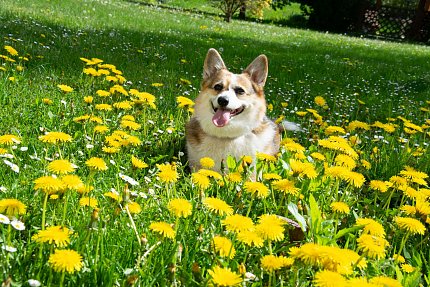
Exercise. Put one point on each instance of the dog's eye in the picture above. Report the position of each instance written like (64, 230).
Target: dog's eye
(218, 87)
(239, 91)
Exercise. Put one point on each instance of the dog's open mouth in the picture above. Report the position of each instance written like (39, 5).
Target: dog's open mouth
(222, 115)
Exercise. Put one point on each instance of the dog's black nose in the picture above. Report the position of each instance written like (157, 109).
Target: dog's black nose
(222, 101)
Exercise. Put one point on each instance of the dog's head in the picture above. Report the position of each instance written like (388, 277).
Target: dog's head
(231, 105)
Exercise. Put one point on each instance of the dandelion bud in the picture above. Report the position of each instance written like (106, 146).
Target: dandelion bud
(143, 239)
(132, 279)
(200, 229)
(242, 269)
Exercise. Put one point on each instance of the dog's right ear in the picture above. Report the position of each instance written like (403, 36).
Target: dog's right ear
(213, 63)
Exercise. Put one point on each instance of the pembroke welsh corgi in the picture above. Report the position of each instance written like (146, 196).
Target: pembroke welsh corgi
(230, 114)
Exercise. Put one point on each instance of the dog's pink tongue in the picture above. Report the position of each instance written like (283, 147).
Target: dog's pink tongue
(221, 117)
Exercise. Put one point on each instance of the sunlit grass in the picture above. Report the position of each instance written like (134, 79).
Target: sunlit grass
(93, 106)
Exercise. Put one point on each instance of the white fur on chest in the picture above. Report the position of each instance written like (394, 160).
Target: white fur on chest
(220, 148)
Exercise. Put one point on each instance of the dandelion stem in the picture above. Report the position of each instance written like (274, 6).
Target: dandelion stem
(45, 201)
(133, 225)
(249, 207)
(63, 274)
(64, 209)
(402, 244)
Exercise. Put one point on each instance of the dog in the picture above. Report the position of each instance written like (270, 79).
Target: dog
(230, 114)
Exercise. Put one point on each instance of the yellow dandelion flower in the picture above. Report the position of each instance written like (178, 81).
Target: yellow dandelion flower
(292, 146)
(49, 184)
(9, 139)
(271, 263)
(352, 126)
(58, 235)
(210, 173)
(88, 99)
(101, 129)
(207, 162)
(328, 278)
(234, 177)
(270, 227)
(61, 166)
(81, 118)
(399, 258)
(167, 173)
(72, 181)
(309, 253)
(138, 163)
(224, 277)
(345, 160)
(103, 107)
(124, 105)
(110, 149)
(408, 209)
(250, 238)
(265, 157)
(398, 181)
(422, 207)
(11, 50)
(163, 228)
(180, 207)
(65, 261)
(271, 176)
(130, 125)
(414, 175)
(12, 207)
(286, 186)
(3, 151)
(96, 163)
(410, 225)
(384, 281)
(367, 165)
(407, 268)
(47, 101)
(360, 282)
(318, 156)
(303, 169)
(65, 88)
(354, 178)
(114, 196)
(237, 223)
(88, 201)
(118, 89)
(218, 206)
(371, 227)
(372, 246)
(320, 101)
(339, 207)
(334, 130)
(133, 207)
(202, 181)
(257, 188)
(55, 137)
(184, 102)
(379, 185)
(84, 189)
(223, 246)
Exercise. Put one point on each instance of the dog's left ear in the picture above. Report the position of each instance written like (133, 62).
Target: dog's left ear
(258, 70)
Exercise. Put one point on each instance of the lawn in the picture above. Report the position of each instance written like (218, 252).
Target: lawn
(94, 184)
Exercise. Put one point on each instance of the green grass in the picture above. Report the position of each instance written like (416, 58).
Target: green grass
(360, 79)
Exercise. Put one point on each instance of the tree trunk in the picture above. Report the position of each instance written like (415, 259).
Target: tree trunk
(242, 11)
(417, 22)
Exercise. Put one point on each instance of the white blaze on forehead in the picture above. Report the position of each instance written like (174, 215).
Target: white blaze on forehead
(233, 101)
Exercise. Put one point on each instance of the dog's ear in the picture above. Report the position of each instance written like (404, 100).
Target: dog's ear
(258, 70)
(213, 63)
